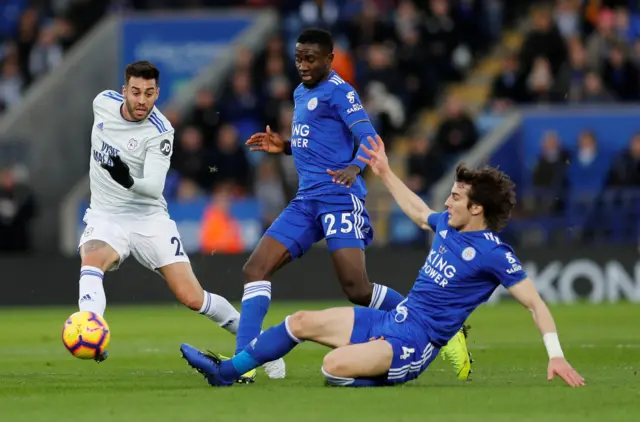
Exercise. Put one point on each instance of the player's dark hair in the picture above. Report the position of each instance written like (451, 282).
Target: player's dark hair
(493, 190)
(317, 36)
(142, 69)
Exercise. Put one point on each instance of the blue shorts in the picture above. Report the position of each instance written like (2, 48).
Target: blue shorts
(412, 348)
(341, 219)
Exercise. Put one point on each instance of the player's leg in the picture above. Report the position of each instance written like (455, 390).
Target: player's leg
(358, 365)
(156, 244)
(384, 350)
(331, 327)
(394, 359)
(185, 286)
(349, 263)
(348, 232)
(269, 256)
(103, 246)
(288, 238)
(96, 258)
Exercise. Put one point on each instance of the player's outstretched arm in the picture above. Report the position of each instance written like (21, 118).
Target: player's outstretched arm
(412, 205)
(526, 293)
(269, 142)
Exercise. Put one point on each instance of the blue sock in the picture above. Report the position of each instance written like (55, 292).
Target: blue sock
(255, 304)
(272, 344)
(384, 298)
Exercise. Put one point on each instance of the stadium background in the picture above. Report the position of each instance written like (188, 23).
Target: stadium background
(546, 90)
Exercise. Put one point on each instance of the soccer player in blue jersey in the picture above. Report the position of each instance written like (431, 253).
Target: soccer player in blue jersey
(329, 204)
(466, 263)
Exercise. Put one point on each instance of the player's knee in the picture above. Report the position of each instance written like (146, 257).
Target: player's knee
(300, 325)
(333, 365)
(102, 258)
(254, 271)
(358, 291)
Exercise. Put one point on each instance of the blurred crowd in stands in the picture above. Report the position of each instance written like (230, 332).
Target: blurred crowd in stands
(574, 52)
(583, 53)
(399, 54)
(578, 53)
(34, 37)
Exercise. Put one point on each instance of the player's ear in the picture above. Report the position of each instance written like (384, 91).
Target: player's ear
(475, 209)
(330, 57)
(124, 90)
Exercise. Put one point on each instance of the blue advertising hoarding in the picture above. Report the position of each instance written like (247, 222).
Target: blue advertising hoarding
(181, 47)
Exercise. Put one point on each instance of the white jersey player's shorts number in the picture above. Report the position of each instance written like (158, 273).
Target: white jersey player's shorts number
(154, 241)
(176, 241)
(346, 226)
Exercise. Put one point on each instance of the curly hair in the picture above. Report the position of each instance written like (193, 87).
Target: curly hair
(493, 190)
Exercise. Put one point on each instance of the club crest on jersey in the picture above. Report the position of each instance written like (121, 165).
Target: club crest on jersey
(132, 144)
(468, 254)
(88, 231)
(312, 104)
(100, 126)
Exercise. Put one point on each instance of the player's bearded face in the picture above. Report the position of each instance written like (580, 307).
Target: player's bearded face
(140, 97)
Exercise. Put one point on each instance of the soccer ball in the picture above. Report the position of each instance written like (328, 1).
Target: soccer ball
(86, 335)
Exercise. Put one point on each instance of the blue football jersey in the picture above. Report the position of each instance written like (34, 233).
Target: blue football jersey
(460, 273)
(321, 137)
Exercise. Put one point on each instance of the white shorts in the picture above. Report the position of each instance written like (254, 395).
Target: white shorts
(154, 240)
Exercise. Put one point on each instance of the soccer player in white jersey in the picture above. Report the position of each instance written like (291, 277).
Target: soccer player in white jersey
(131, 147)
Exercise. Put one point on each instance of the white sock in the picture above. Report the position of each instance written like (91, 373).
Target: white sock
(220, 311)
(92, 297)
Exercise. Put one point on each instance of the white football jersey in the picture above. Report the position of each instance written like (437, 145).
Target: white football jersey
(145, 146)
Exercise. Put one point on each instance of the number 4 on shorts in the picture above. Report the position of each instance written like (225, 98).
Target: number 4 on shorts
(406, 352)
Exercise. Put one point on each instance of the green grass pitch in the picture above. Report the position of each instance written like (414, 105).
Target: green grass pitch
(144, 378)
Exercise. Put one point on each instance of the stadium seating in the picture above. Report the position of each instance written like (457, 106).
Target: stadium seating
(482, 59)
(571, 69)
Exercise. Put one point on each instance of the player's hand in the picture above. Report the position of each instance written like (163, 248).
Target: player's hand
(377, 160)
(119, 171)
(560, 367)
(268, 142)
(345, 177)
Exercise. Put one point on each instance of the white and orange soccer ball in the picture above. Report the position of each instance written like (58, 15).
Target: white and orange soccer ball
(86, 335)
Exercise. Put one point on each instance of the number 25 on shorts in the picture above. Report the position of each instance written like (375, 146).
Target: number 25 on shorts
(331, 225)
